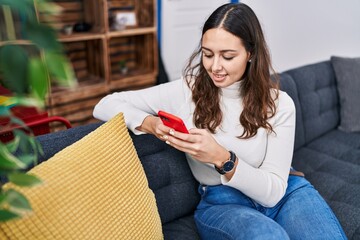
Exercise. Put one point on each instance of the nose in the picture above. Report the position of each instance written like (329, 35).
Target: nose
(216, 66)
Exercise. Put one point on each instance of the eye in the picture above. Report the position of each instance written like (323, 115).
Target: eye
(207, 55)
(227, 58)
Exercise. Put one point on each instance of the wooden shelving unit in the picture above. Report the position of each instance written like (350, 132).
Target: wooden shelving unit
(96, 54)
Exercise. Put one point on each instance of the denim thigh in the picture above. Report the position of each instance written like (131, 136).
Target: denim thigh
(304, 214)
(226, 213)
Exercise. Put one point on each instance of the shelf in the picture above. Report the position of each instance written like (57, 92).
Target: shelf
(75, 37)
(133, 82)
(87, 59)
(130, 50)
(76, 94)
(79, 111)
(96, 54)
(131, 32)
(75, 12)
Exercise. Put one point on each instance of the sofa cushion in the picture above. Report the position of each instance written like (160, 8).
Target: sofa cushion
(331, 163)
(316, 86)
(181, 229)
(347, 71)
(94, 189)
(169, 176)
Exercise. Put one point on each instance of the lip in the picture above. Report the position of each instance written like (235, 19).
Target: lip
(218, 77)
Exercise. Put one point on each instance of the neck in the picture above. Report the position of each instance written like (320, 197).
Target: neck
(232, 91)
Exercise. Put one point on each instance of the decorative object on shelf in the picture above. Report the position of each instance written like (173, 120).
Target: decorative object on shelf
(128, 17)
(123, 20)
(116, 24)
(68, 29)
(123, 68)
(82, 27)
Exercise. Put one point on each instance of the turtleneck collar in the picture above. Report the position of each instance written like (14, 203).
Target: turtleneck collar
(232, 91)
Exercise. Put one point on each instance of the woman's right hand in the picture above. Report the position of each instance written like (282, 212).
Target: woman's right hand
(155, 126)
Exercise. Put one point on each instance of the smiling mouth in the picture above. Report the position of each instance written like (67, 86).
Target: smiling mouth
(218, 77)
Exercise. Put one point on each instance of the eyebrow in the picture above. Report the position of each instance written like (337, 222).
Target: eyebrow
(222, 51)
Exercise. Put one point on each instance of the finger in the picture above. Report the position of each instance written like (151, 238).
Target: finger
(179, 144)
(197, 131)
(163, 137)
(182, 149)
(183, 136)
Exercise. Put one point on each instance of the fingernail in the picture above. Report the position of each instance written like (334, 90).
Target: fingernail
(171, 132)
(167, 142)
(165, 137)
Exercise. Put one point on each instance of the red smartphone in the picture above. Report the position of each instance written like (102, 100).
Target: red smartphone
(173, 121)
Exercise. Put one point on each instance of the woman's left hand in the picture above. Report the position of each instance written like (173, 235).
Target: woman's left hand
(200, 144)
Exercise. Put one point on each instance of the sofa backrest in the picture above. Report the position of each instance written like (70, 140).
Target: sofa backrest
(288, 85)
(54, 142)
(316, 99)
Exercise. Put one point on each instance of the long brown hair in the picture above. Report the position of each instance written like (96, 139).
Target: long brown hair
(257, 88)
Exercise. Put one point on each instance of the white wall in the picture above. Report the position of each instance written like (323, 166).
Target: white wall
(181, 25)
(307, 31)
(298, 32)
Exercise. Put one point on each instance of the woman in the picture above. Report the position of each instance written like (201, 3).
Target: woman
(241, 136)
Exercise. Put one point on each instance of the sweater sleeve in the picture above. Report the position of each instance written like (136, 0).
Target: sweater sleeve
(137, 105)
(267, 184)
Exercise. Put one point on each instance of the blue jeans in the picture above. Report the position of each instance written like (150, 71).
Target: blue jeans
(226, 213)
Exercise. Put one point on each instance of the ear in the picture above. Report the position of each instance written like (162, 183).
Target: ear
(249, 56)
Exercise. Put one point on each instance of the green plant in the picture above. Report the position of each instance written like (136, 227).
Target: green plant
(123, 66)
(27, 65)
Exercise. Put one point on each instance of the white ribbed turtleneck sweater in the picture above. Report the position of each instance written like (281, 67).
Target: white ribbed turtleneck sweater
(263, 160)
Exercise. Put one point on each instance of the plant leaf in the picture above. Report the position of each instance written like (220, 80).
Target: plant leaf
(48, 7)
(7, 215)
(38, 78)
(28, 158)
(27, 101)
(25, 144)
(14, 57)
(43, 36)
(13, 145)
(37, 149)
(9, 161)
(24, 179)
(28, 147)
(2, 199)
(17, 200)
(25, 8)
(17, 121)
(60, 69)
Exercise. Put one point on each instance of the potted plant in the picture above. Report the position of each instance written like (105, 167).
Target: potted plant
(123, 67)
(27, 66)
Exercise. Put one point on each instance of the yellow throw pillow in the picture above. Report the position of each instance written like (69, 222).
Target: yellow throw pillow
(94, 189)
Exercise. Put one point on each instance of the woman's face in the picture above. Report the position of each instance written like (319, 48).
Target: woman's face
(224, 56)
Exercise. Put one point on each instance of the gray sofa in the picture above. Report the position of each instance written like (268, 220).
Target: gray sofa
(330, 158)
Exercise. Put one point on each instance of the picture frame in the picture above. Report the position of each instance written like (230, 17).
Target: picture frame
(125, 19)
